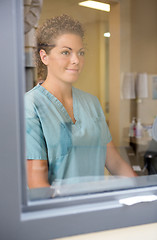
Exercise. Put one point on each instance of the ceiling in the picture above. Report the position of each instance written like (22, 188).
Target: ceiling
(71, 7)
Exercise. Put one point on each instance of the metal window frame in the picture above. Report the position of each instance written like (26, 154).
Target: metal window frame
(47, 219)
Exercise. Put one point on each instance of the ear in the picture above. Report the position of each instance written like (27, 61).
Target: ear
(43, 56)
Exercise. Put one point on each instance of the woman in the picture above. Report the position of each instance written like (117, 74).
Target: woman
(66, 132)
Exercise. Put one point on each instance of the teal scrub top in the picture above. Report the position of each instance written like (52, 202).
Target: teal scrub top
(72, 150)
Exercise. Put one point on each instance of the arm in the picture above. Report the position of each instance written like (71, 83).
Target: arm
(37, 173)
(37, 169)
(115, 164)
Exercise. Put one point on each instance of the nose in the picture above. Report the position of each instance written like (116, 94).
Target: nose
(75, 59)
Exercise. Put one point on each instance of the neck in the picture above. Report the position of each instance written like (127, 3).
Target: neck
(62, 91)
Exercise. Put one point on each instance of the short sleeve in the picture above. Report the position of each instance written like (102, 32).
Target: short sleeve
(104, 127)
(35, 141)
(107, 133)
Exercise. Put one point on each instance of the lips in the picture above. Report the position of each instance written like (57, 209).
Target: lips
(72, 69)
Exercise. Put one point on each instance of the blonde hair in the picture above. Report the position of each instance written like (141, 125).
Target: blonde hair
(48, 33)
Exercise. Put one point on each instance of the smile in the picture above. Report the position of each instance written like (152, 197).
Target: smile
(72, 70)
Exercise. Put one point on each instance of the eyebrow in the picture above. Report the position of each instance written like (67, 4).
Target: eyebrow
(68, 48)
(71, 48)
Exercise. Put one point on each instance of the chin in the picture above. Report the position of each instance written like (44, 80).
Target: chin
(72, 80)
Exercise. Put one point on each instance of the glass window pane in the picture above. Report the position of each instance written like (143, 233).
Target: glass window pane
(68, 139)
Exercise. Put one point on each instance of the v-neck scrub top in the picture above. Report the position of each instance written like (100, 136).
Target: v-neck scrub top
(72, 150)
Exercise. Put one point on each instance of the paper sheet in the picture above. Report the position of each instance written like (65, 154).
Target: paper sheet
(142, 85)
(138, 199)
(128, 86)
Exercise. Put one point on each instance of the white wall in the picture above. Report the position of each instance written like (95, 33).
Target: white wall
(144, 51)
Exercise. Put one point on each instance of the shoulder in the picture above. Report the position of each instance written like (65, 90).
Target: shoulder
(32, 93)
(88, 101)
(85, 96)
(31, 100)
(33, 96)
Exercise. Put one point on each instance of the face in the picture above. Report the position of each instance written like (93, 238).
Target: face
(65, 61)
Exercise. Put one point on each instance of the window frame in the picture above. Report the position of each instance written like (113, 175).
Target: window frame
(47, 219)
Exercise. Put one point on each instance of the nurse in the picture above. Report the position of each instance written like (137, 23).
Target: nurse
(66, 133)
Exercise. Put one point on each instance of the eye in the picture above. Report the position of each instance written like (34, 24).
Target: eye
(81, 53)
(65, 53)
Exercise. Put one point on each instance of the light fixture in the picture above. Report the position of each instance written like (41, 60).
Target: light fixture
(96, 5)
(107, 34)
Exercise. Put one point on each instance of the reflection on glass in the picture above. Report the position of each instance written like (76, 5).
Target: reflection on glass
(154, 129)
(66, 128)
(151, 153)
(68, 138)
